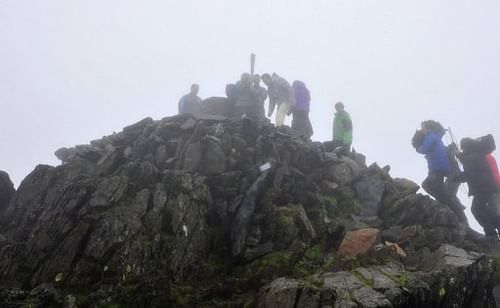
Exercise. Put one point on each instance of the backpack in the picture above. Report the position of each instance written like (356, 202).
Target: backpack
(418, 138)
(486, 144)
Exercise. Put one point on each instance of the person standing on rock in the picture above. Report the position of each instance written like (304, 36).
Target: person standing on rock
(480, 173)
(244, 97)
(438, 164)
(342, 130)
(190, 103)
(281, 95)
(300, 111)
(261, 95)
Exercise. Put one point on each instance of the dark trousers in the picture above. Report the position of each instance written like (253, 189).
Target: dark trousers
(243, 110)
(434, 185)
(485, 212)
(302, 124)
(255, 112)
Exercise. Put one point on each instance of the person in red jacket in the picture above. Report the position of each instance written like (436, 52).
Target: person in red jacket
(482, 185)
(492, 163)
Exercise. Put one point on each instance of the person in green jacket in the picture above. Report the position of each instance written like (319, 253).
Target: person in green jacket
(342, 130)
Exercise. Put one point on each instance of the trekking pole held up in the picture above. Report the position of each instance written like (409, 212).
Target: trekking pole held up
(252, 64)
(451, 135)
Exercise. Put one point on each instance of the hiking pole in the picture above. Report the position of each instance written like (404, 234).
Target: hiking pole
(252, 64)
(451, 135)
(457, 148)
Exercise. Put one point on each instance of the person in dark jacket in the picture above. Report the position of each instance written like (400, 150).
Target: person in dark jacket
(247, 98)
(261, 95)
(190, 103)
(438, 168)
(482, 185)
(300, 111)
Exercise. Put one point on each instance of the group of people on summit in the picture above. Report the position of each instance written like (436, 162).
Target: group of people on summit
(479, 168)
(247, 97)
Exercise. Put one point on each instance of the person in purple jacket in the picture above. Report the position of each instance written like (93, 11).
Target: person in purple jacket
(300, 110)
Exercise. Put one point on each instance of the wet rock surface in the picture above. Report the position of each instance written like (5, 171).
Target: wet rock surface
(206, 211)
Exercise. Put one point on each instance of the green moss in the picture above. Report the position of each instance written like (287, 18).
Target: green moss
(442, 292)
(343, 204)
(363, 279)
(38, 300)
(265, 268)
(110, 305)
(30, 302)
(182, 296)
(80, 295)
(269, 197)
(335, 263)
(356, 207)
(286, 220)
(331, 205)
(403, 279)
(313, 260)
(286, 230)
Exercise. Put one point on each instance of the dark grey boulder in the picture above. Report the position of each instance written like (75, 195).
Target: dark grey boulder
(217, 106)
(214, 158)
(369, 187)
(243, 219)
(6, 191)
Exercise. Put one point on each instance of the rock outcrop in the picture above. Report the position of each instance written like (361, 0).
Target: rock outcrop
(6, 192)
(205, 211)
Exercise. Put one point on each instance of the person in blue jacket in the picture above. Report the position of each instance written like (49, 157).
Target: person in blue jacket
(439, 166)
(191, 102)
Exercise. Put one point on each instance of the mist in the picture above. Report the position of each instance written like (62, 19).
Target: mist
(73, 71)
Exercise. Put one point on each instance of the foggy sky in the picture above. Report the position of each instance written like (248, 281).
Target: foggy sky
(73, 71)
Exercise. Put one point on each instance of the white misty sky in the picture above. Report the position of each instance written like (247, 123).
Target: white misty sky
(72, 71)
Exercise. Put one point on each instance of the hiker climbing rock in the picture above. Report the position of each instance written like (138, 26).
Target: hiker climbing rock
(481, 174)
(281, 95)
(342, 130)
(428, 141)
(300, 111)
(190, 103)
(451, 183)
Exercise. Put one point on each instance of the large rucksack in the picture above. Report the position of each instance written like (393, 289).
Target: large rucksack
(486, 144)
(418, 138)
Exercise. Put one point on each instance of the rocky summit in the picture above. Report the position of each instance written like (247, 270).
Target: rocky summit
(207, 211)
